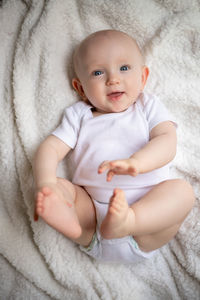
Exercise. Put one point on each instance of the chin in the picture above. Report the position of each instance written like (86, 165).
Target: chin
(119, 110)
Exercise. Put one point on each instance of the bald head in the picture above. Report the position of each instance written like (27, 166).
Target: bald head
(99, 39)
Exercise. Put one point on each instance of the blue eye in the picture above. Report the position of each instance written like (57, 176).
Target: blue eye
(97, 73)
(124, 68)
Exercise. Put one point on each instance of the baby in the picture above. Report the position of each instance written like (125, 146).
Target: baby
(121, 204)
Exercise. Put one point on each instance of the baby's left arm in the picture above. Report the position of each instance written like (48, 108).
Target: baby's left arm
(159, 151)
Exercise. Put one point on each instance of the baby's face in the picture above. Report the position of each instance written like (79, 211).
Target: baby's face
(111, 72)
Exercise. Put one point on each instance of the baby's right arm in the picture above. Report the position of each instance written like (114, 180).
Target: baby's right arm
(47, 157)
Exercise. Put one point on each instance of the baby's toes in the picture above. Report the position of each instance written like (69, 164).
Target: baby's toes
(46, 191)
(119, 194)
(116, 206)
(39, 198)
(39, 202)
(39, 208)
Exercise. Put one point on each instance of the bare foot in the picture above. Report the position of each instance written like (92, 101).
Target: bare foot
(57, 212)
(119, 221)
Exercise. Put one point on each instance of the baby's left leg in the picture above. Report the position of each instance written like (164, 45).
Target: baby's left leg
(154, 219)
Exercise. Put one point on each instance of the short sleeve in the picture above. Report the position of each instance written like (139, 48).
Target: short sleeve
(68, 129)
(156, 112)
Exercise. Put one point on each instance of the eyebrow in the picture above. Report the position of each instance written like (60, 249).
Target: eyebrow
(96, 65)
(93, 66)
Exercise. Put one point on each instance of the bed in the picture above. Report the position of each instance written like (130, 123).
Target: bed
(37, 39)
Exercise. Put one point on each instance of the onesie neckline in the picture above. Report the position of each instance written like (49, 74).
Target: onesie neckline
(110, 113)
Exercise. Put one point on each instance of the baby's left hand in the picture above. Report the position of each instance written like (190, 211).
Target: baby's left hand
(119, 167)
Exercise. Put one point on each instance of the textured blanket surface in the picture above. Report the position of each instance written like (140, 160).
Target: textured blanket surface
(37, 39)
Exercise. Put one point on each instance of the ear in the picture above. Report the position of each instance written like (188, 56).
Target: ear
(78, 88)
(145, 74)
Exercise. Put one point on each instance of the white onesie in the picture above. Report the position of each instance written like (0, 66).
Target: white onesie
(111, 136)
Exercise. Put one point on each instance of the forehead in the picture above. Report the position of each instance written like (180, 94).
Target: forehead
(106, 46)
(108, 43)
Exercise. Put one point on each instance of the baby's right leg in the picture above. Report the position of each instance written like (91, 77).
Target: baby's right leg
(68, 209)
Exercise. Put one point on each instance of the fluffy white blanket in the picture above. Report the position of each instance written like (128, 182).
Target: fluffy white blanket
(36, 43)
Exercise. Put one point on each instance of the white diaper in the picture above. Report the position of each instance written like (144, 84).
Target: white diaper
(124, 249)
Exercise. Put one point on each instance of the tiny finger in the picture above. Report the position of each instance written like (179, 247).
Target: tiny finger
(104, 166)
(110, 175)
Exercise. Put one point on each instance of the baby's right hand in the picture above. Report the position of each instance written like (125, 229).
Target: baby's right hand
(128, 166)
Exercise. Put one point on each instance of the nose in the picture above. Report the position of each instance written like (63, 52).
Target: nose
(112, 79)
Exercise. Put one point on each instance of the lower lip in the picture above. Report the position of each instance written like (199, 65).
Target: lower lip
(115, 96)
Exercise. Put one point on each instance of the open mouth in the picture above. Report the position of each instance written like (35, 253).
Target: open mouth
(115, 95)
